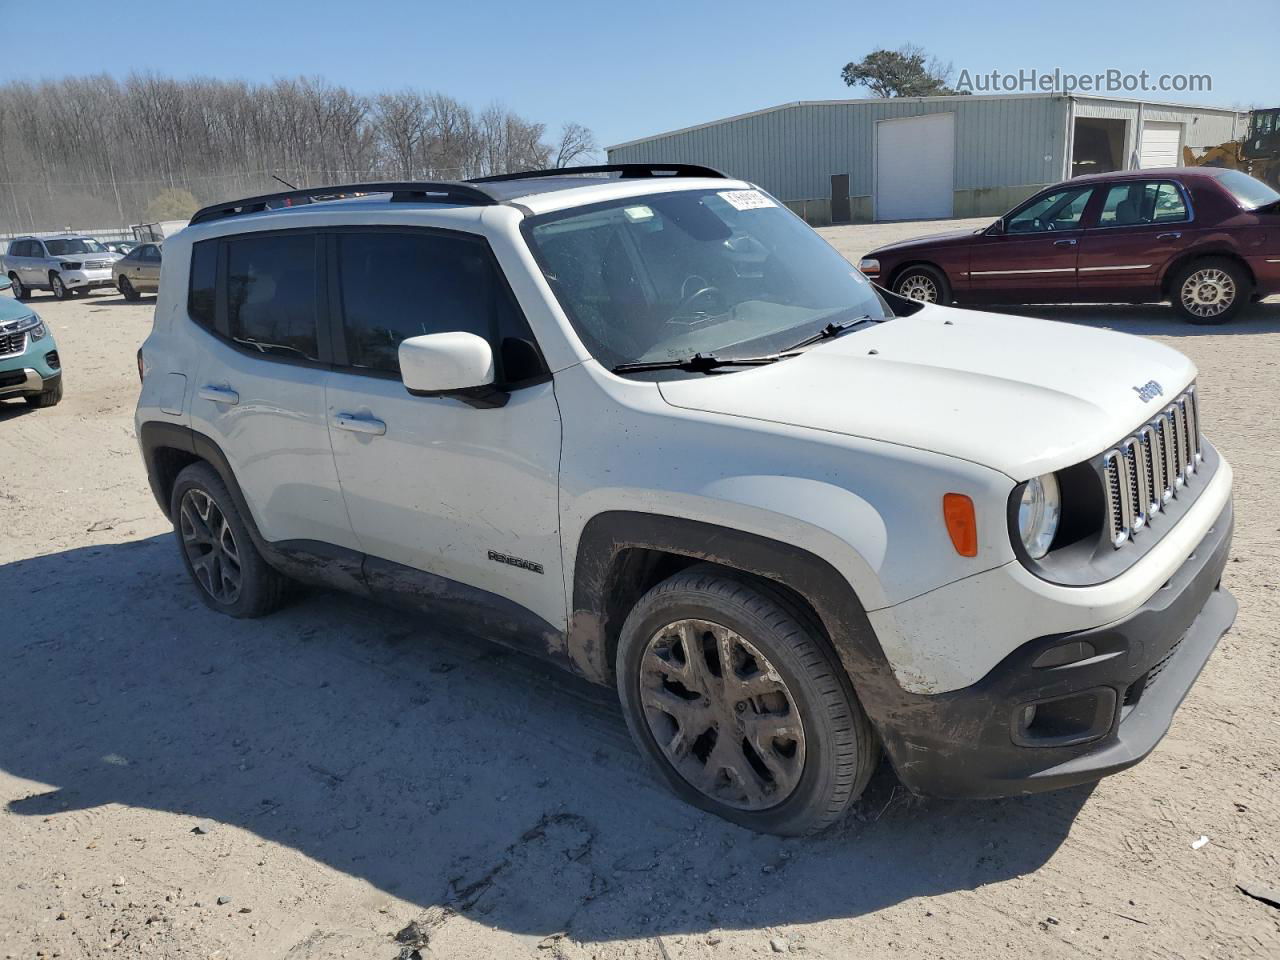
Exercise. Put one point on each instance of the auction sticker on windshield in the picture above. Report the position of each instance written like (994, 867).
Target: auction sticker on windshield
(746, 199)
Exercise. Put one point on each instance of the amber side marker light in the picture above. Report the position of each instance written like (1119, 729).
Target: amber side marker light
(962, 525)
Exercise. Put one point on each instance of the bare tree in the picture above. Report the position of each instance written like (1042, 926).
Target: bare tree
(94, 150)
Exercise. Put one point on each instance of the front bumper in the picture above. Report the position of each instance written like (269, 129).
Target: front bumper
(1113, 707)
(24, 382)
(81, 279)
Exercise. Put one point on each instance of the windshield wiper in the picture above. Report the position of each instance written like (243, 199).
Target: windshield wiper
(832, 330)
(698, 363)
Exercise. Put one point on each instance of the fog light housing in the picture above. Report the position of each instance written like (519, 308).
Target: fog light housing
(1064, 721)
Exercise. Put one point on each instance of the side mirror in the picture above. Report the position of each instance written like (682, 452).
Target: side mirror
(996, 228)
(450, 364)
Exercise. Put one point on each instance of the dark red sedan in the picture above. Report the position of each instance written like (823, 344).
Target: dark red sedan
(1205, 239)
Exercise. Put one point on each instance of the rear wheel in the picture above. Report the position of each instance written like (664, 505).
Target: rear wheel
(127, 290)
(229, 573)
(924, 283)
(20, 291)
(60, 289)
(740, 703)
(1210, 290)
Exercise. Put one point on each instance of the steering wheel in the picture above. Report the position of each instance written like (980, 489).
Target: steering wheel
(688, 300)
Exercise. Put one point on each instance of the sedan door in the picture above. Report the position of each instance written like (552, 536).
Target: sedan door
(1030, 255)
(452, 502)
(148, 268)
(1141, 226)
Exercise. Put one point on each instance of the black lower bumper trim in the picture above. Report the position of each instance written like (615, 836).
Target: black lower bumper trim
(962, 743)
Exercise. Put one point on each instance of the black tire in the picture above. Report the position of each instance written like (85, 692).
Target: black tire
(1191, 304)
(920, 278)
(837, 746)
(261, 587)
(60, 289)
(20, 291)
(127, 291)
(47, 398)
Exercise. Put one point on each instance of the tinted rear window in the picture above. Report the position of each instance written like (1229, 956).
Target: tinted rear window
(1249, 192)
(271, 294)
(204, 274)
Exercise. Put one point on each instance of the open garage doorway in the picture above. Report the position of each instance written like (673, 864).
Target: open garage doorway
(1097, 145)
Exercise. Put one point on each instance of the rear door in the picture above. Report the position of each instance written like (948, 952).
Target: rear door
(466, 495)
(1030, 256)
(1141, 225)
(259, 387)
(148, 267)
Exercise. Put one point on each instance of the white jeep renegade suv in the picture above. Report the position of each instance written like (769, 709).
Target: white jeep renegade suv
(645, 423)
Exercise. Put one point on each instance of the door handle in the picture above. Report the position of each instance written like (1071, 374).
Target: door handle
(219, 394)
(1169, 236)
(349, 421)
(1064, 243)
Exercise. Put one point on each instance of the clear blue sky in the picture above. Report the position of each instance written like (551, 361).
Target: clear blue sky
(628, 70)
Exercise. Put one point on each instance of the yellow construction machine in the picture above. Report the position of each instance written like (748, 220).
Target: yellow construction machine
(1258, 154)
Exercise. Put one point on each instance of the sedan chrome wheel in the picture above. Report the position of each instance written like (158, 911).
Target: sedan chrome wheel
(210, 545)
(1208, 292)
(919, 287)
(722, 715)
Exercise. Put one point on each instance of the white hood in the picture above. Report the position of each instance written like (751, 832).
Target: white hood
(1022, 396)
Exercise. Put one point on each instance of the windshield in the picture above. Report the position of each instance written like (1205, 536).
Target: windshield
(61, 248)
(1249, 193)
(664, 277)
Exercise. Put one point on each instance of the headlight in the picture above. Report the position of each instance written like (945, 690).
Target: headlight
(37, 332)
(1038, 514)
(71, 264)
(869, 266)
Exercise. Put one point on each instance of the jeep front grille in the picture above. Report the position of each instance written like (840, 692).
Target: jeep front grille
(1145, 471)
(12, 343)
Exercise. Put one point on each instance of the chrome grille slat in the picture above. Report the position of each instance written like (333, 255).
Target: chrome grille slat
(12, 343)
(1146, 470)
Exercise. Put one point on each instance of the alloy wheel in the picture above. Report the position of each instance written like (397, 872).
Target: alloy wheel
(210, 545)
(919, 287)
(722, 715)
(59, 290)
(1208, 292)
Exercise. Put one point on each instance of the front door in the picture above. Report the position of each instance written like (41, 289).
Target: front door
(1141, 226)
(148, 268)
(453, 502)
(1030, 256)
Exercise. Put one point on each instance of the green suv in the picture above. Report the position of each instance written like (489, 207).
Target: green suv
(29, 365)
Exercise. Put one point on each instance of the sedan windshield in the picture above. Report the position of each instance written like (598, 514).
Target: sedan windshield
(729, 273)
(62, 248)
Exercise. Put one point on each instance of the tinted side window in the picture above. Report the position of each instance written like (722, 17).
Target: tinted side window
(1136, 203)
(271, 294)
(204, 275)
(399, 285)
(1061, 210)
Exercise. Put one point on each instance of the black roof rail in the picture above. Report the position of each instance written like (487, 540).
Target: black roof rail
(422, 192)
(626, 170)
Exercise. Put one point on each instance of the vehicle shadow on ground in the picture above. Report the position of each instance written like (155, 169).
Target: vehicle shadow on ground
(11, 409)
(443, 771)
(1151, 320)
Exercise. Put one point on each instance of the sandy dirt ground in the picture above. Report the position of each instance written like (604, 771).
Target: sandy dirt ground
(178, 784)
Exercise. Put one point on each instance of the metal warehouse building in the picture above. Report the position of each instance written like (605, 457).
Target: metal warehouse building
(836, 161)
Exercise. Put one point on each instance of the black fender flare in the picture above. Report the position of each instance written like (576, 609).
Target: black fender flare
(598, 573)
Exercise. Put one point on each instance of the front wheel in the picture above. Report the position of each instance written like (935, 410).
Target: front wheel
(738, 700)
(923, 283)
(60, 289)
(49, 397)
(1210, 290)
(127, 291)
(217, 550)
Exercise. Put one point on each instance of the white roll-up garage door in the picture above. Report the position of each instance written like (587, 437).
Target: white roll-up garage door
(915, 167)
(1161, 143)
